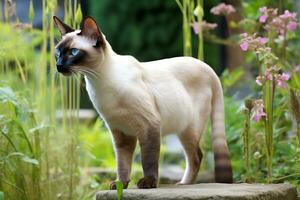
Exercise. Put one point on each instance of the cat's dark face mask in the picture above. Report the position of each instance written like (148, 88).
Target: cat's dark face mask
(67, 57)
(70, 59)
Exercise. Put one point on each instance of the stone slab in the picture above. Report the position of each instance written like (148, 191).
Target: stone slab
(210, 191)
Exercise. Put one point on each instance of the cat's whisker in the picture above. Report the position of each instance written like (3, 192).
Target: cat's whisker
(80, 71)
(86, 72)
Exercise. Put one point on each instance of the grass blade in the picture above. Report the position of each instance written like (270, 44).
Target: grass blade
(1, 195)
(119, 185)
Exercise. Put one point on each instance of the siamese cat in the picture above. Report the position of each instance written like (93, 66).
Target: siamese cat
(143, 101)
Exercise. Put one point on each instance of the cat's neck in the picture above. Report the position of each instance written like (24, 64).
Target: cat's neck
(113, 70)
(113, 76)
(109, 58)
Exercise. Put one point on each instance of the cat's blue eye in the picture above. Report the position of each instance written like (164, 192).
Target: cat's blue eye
(74, 51)
(57, 53)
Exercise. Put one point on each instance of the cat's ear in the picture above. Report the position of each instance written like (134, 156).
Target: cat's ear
(63, 28)
(90, 29)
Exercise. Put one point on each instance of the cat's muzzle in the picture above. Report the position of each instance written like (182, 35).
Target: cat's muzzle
(62, 68)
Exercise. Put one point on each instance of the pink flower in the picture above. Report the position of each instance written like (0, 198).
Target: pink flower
(287, 14)
(258, 82)
(285, 76)
(244, 46)
(284, 22)
(268, 74)
(208, 26)
(205, 26)
(263, 10)
(244, 35)
(196, 27)
(281, 83)
(263, 40)
(259, 115)
(258, 110)
(292, 26)
(263, 18)
(223, 9)
(253, 42)
(281, 80)
(296, 69)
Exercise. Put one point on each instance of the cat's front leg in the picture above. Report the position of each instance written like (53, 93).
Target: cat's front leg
(124, 146)
(150, 147)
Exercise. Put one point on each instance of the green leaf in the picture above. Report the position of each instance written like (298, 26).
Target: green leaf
(229, 79)
(78, 15)
(25, 158)
(31, 12)
(30, 160)
(6, 94)
(199, 11)
(38, 128)
(94, 185)
(1, 195)
(15, 154)
(119, 185)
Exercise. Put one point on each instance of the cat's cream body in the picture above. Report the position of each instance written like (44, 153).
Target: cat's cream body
(178, 91)
(142, 101)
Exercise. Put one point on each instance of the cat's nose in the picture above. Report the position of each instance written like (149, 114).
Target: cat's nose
(62, 69)
(60, 66)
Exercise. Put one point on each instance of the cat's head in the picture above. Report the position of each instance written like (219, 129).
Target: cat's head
(79, 50)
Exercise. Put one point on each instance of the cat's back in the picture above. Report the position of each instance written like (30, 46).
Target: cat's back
(178, 65)
(185, 69)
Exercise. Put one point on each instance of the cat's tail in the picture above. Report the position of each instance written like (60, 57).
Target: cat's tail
(223, 170)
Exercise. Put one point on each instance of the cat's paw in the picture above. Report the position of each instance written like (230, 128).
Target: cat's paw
(147, 182)
(113, 185)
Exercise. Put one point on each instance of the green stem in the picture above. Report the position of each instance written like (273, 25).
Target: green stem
(10, 141)
(14, 186)
(288, 176)
(186, 29)
(200, 35)
(20, 127)
(269, 94)
(284, 44)
(246, 143)
(36, 170)
(298, 132)
(180, 6)
(23, 77)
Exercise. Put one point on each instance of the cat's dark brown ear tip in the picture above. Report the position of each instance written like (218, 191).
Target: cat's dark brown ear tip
(88, 18)
(89, 21)
(55, 19)
(63, 28)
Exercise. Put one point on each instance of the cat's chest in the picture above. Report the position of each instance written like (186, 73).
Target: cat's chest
(107, 100)
(103, 99)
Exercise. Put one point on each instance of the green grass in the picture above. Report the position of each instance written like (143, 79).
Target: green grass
(38, 155)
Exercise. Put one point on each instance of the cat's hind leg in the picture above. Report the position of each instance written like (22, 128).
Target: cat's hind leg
(190, 139)
(124, 146)
(193, 155)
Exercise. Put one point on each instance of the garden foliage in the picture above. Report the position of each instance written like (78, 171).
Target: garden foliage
(44, 156)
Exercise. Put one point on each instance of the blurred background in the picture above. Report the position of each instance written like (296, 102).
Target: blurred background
(53, 145)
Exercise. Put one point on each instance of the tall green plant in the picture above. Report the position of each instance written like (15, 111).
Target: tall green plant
(38, 153)
(192, 12)
(246, 135)
(271, 77)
